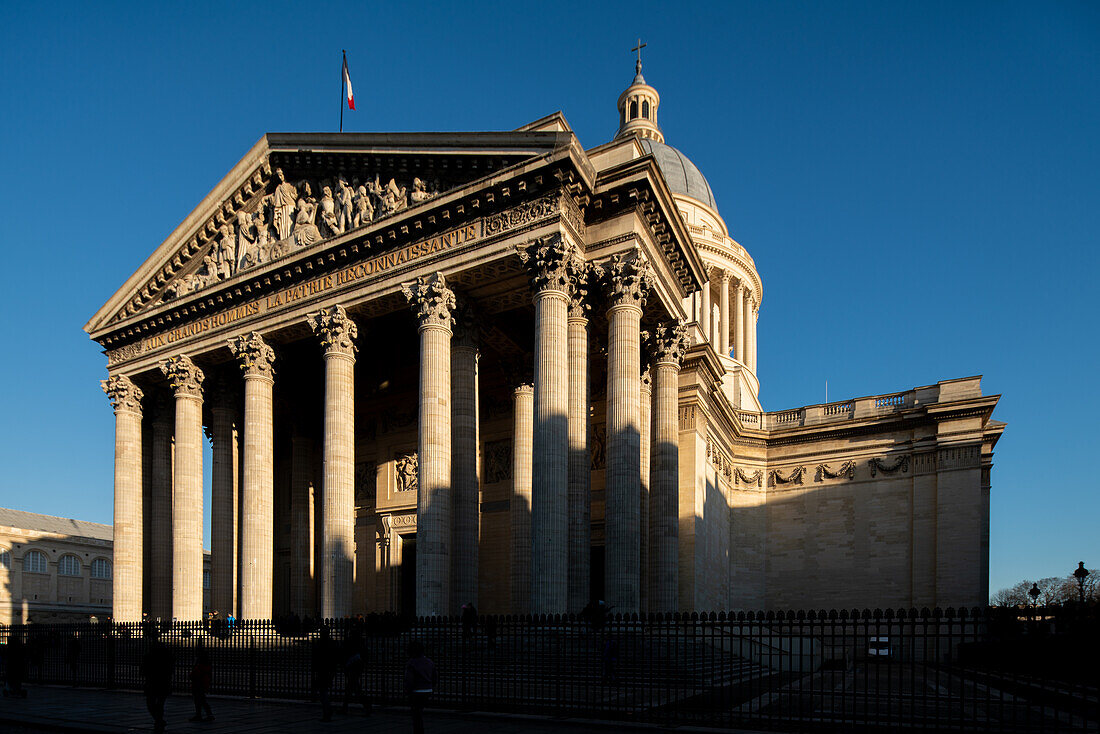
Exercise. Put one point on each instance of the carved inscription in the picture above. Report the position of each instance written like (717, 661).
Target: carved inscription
(293, 294)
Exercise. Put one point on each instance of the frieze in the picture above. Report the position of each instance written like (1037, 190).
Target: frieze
(403, 521)
(498, 461)
(687, 417)
(572, 215)
(756, 478)
(963, 457)
(847, 469)
(719, 460)
(366, 477)
(406, 472)
(518, 216)
(293, 295)
(878, 465)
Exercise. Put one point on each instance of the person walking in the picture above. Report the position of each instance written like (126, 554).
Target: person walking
(323, 663)
(157, 666)
(202, 675)
(355, 660)
(421, 678)
(16, 660)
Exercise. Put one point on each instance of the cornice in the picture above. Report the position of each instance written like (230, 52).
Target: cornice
(748, 267)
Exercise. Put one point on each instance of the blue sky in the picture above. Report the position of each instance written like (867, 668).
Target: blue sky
(916, 181)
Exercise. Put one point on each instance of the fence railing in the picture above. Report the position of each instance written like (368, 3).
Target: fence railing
(963, 670)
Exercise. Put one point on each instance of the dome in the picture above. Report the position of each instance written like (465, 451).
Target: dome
(681, 174)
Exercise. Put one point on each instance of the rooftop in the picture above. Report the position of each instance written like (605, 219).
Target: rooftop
(59, 525)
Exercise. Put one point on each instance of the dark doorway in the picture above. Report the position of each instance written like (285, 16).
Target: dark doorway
(408, 575)
(596, 580)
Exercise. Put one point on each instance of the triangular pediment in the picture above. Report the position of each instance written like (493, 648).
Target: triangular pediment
(295, 191)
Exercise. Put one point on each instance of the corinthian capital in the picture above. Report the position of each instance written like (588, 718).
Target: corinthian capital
(549, 261)
(627, 279)
(123, 393)
(582, 278)
(183, 375)
(255, 355)
(669, 343)
(336, 329)
(431, 300)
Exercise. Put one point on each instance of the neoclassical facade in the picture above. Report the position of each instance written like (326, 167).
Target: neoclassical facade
(502, 369)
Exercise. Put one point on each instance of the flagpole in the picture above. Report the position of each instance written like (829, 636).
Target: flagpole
(343, 65)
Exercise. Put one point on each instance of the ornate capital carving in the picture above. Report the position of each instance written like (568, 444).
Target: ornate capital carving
(183, 375)
(582, 278)
(336, 329)
(627, 279)
(524, 389)
(647, 380)
(255, 355)
(549, 261)
(669, 343)
(431, 300)
(123, 393)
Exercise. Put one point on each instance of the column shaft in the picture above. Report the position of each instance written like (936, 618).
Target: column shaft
(740, 332)
(665, 489)
(301, 525)
(464, 465)
(753, 314)
(580, 472)
(706, 318)
(520, 505)
(224, 501)
(160, 513)
(128, 525)
(338, 486)
(549, 508)
(645, 419)
(187, 517)
(433, 498)
(623, 513)
(724, 314)
(258, 498)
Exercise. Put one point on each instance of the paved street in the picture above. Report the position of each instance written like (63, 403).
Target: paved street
(49, 708)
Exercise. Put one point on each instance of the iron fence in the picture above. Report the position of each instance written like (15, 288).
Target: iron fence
(963, 670)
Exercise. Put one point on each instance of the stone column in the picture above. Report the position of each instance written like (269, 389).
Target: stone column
(645, 420)
(739, 330)
(520, 505)
(580, 463)
(549, 261)
(224, 499)
(724, 314)
(706, 318)
(126, 398)
(186, 379)
(258, 476)
(627, 283)
(160, 510)
(464, 462)
(337, 333)
(432, 302)
(670, 343)
(754, 314)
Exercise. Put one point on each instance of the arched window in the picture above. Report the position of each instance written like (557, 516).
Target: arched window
(633, 109)
(645, 108)
(5, 559)
(69, 566)
(34, 562)
(101, 568)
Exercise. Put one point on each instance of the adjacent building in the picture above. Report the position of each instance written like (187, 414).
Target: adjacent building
(495, 367)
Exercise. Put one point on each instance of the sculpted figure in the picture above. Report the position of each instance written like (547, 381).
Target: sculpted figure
(364, 210)
(208, 273)
(246, 236)
(375, 188)
(282, 204)
(305, 231)
(226, 251)
(407, 468)
(328, 212)
(393, 198)
(345, 206)
(420, 192)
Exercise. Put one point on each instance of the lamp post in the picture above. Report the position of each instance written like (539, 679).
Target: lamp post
(1034, 592)
(1080, 574)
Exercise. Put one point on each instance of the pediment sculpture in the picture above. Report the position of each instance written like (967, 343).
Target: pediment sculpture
(288, 216)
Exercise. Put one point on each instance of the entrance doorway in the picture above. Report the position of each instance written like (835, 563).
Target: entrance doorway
(408, 575)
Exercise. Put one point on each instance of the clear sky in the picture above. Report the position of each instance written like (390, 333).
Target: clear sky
(917, 182)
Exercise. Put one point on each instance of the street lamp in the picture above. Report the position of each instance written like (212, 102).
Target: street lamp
(1034, 592)
(1080, 574)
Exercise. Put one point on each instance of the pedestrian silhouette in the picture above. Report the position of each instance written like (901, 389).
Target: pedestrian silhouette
(469, 619)
(202, 675)
(323, 663)
(16, 654)
(421, 678)
(355, 660)
(157, 667)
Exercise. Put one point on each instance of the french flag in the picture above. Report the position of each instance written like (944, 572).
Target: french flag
(347, 81)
